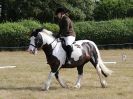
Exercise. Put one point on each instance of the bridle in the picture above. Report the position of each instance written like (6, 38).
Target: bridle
(33, 45)
(49, 44)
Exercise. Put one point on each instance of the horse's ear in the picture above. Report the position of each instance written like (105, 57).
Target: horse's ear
(32, 32)
(42, 29)
(36, 31)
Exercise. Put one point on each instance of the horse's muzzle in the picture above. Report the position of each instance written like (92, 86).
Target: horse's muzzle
(34, 51)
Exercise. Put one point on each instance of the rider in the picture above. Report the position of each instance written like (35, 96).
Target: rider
(66, 30)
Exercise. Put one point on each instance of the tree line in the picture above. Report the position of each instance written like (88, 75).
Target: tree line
(80, 10)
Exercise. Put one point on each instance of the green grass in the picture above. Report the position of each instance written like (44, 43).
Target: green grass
(25, 81)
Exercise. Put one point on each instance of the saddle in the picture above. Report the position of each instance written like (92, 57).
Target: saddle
(64, 44)
(68, 49)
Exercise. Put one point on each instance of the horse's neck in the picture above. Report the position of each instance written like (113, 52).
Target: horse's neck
(47, 39)
(49, 43)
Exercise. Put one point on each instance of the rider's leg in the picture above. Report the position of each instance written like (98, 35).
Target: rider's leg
(68, 51)
(69, 40)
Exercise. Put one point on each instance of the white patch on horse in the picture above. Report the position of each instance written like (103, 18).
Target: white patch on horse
(77, 52)
(59, 53)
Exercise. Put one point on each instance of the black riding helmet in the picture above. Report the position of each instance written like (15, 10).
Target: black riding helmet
(59, 10)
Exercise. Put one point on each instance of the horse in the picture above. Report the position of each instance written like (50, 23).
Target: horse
(83, 51)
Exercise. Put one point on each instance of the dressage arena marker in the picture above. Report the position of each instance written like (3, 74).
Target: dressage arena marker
(7, 66)
(109, 62)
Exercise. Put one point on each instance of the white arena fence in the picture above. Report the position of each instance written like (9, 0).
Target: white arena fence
(102, 46)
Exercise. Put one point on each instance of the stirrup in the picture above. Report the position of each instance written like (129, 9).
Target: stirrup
(68, 61)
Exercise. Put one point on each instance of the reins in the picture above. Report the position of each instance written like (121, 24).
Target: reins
(53, 42)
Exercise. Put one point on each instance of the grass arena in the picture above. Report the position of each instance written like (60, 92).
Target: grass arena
(25, 80)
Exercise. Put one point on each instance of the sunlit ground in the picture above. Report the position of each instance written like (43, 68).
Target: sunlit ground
(25, 81)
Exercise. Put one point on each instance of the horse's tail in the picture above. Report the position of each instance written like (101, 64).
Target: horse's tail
(105, 71)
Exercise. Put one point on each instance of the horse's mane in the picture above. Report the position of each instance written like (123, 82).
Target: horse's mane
(43, 30)
(47, 32)
(50, 33)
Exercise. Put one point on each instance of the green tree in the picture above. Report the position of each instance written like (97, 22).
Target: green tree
(110, 9)
(43, 10)
(86, 7)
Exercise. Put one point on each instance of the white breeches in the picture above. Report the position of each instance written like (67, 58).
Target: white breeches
(69, 40)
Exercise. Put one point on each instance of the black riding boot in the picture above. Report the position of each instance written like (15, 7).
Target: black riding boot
(68, 53)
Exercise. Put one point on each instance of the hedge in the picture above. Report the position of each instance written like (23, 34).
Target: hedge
(12, 35)
(104, 32)
(52, 27)
(16, 34)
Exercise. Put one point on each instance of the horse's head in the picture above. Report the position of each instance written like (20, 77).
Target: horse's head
(38, 38)
(35, 41)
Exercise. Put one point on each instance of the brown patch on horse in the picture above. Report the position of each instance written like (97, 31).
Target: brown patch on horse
(78, 46)
(52, 60)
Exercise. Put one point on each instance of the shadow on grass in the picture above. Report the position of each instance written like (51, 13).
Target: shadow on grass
(37, 88)
(26, 88)
(21, 88)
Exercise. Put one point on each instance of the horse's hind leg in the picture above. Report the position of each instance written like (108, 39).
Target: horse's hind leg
(80, 75)
(61, 82)
(99, 72)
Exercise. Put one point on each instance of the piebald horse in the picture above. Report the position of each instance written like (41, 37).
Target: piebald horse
(83, 52)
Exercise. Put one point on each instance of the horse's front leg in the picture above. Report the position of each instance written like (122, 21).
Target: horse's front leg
(77, 85)
(80, 75)
(47, 84)
(61, 82)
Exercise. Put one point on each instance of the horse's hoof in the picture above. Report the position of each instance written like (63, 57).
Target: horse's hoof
(104, 84)
(64, 86)
(45, 88)
(77, 86)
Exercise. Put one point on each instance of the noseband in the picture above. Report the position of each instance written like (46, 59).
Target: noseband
(33, 45)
